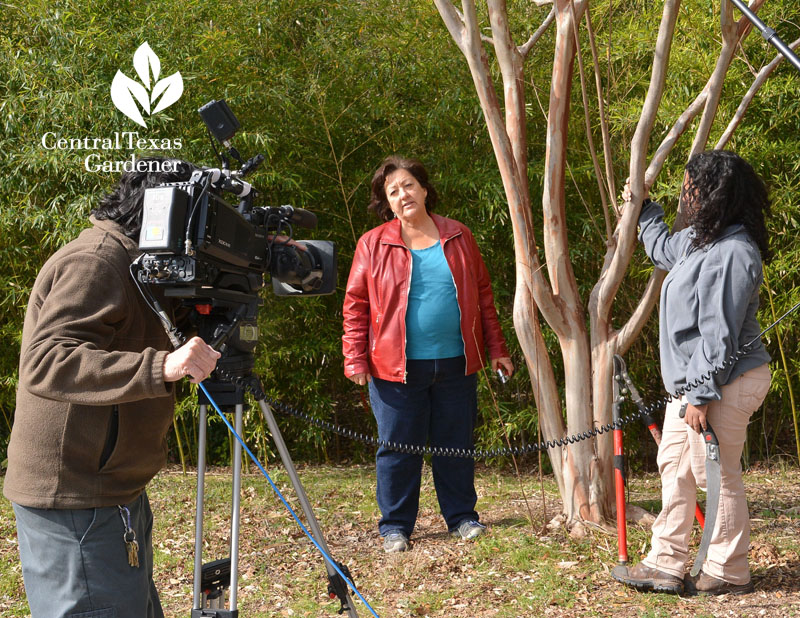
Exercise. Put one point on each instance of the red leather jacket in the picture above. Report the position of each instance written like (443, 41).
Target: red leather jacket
(377, 296)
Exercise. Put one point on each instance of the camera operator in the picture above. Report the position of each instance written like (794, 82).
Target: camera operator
(94, 404)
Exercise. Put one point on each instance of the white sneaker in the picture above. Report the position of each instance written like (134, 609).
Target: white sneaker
(395, 541)
(469, 529)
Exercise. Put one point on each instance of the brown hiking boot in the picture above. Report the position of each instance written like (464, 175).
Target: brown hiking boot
(644, 578)
(704, 584)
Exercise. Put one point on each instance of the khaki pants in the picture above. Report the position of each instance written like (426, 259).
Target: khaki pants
(681, 463)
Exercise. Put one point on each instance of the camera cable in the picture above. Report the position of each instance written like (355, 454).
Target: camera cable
(175, 336)
(277, 491)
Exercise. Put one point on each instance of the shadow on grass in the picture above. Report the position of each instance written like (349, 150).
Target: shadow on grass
(783, 578)
(505, 522)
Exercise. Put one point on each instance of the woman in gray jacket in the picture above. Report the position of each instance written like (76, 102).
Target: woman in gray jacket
(708, 310)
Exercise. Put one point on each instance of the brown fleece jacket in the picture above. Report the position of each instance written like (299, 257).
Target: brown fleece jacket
(92, 410)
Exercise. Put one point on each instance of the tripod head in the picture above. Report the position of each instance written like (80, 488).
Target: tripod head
(228, 321)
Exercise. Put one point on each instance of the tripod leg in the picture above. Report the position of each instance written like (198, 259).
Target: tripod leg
(235, 509)
(198, 517)
(313, 524)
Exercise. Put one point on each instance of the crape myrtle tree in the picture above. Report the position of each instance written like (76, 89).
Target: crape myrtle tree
(546, 284)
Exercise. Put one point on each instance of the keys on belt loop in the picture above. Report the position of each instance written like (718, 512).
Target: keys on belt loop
(129, 536)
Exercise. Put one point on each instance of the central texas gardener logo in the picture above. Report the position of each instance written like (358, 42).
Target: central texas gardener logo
(126, 92)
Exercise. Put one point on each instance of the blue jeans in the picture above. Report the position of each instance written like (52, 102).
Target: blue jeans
(74, 562)
(437, 403)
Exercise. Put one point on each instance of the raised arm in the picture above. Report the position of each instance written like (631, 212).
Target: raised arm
(663, 248)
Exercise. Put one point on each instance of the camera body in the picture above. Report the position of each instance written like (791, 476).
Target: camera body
(193, 238)
(197, 244)
(212, 256)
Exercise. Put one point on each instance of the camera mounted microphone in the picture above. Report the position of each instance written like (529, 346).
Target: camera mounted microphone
(300, 217)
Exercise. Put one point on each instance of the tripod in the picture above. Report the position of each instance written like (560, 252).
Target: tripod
(227, 319)
(216, 583)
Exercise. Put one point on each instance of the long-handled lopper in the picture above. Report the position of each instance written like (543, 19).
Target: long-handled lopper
(624, 385)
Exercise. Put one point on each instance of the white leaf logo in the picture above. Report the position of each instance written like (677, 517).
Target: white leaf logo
(145, 60)
(172, 87)
(126, 92)
(123, 91)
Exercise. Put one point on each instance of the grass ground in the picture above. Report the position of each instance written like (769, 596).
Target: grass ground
(515, 570)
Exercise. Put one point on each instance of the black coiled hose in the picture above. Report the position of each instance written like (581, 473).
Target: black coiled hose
(253, 386)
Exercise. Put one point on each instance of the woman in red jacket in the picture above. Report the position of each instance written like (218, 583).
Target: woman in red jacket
(418, 313)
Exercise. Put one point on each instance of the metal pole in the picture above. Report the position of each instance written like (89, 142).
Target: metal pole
(769, 34)
(288, 464)
(235, 503)
(198, 516)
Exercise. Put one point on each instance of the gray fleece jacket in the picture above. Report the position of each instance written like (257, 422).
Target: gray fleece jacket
(708, 304)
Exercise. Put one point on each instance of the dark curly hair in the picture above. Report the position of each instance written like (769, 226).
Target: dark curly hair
(124, 203)
(378, 202)
(722, 189)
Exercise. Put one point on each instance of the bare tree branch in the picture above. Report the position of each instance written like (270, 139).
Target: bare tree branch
(607, 156)
(524, 240)
(683, 122)
(525, 49)
(730, 37)
(584, 472)
(556, 245)
(478, 63)
(605, 341)
(598, 172)
(606, 288)
(668, 143)
(762, 76)
(510, 62)
(454, 22)
(655, 93)
(485, 38)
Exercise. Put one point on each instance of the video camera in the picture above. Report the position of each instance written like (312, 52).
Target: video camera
(196, 244)
(212, 256)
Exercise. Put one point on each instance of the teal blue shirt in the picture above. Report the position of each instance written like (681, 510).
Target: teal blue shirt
(433, 319)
